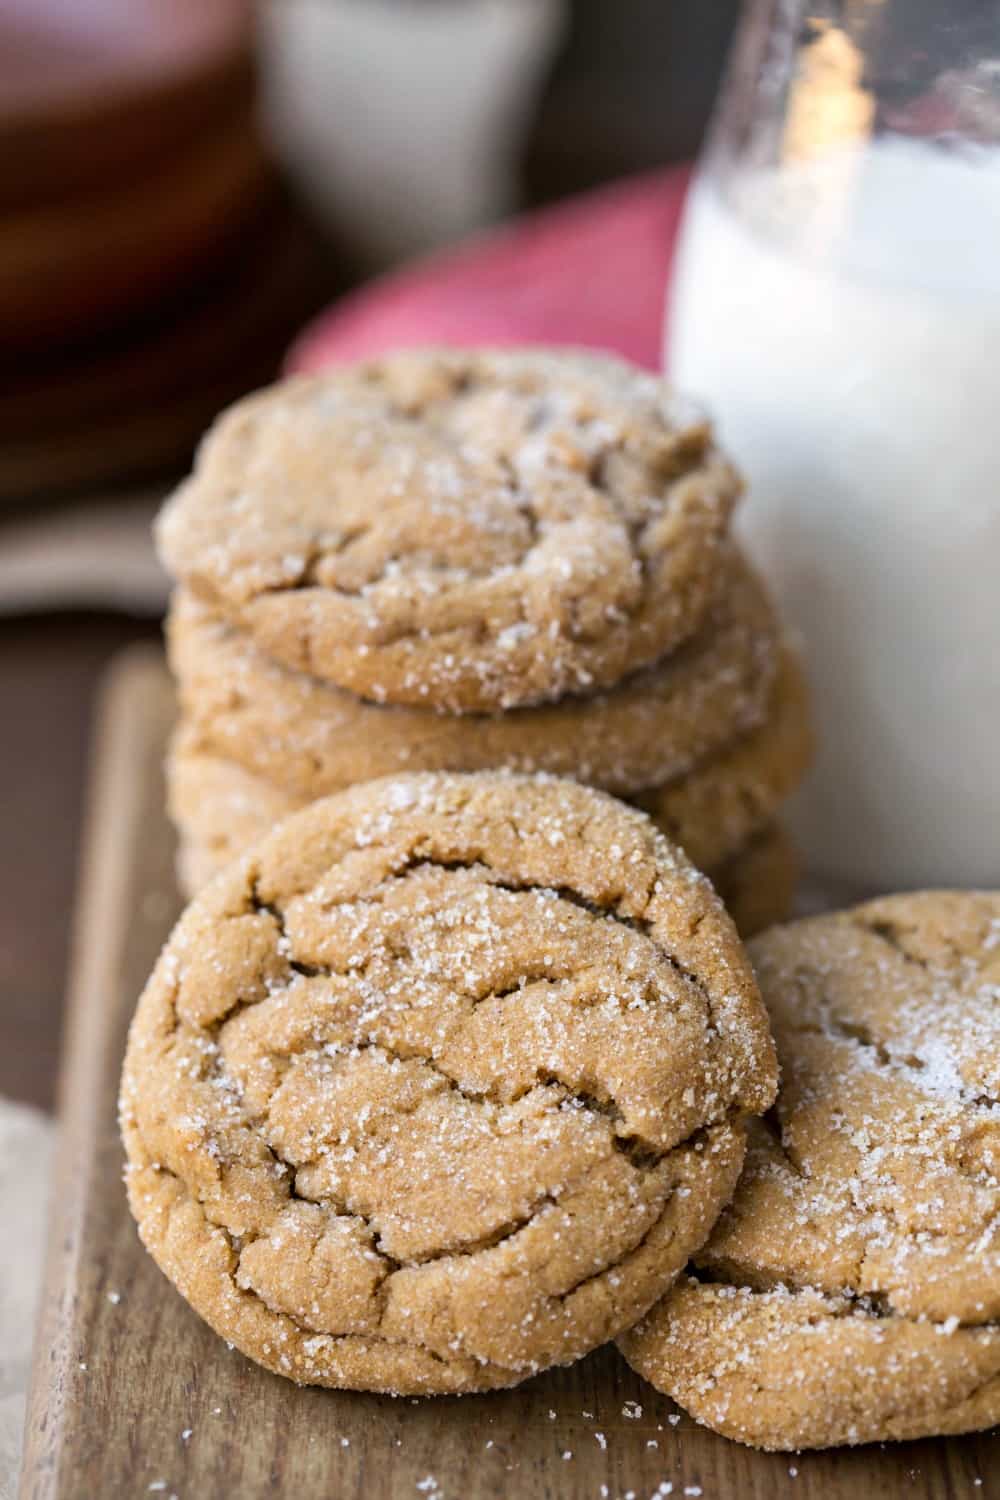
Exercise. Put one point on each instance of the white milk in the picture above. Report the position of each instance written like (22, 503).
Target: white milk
(847, 337)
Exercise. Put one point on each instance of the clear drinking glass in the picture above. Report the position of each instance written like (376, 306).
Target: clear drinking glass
(837, 304)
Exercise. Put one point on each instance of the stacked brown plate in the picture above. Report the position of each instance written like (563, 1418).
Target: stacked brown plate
(141, 225)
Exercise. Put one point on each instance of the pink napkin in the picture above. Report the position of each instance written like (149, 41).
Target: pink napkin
(591, 271)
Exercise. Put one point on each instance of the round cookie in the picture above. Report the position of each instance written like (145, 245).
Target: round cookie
(851, 1291)
(441, 1082)
(314, 739)
(466, 530)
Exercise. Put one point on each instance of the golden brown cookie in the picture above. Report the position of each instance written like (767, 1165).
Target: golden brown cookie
(851, 1292)
(757, 884)
(467, 530)
(441, 1082)
(313, 738)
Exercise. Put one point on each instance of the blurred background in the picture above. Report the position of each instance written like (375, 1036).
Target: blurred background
(183, 185)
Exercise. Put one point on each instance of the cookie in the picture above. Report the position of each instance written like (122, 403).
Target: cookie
(466, 530)
(757, 884)
(851, 1292)
(440, 1083)
(314, 739)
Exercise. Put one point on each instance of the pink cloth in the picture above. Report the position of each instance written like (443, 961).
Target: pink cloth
(591, 272)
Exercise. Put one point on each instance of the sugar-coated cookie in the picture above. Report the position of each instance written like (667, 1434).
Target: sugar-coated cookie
(851, 1292)
(441, 1083)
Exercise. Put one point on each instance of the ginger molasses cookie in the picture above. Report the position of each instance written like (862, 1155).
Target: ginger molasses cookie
(851, 1291)
(313, 738)
(459, 529)
(441, 1082)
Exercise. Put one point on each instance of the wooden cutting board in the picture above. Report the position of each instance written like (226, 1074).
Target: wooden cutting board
(133, 1396)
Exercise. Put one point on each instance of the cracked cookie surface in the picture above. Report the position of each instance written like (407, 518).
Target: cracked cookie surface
(851, 1291)
(313, 738)
(757, 884)
(466, 530)
(441, 1083)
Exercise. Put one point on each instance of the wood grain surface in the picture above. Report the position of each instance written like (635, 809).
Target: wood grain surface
(133, 1396)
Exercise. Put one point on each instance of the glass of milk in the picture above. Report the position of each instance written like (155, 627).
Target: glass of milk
(837, 303)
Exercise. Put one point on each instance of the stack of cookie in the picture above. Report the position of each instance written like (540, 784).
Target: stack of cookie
(464, 560)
